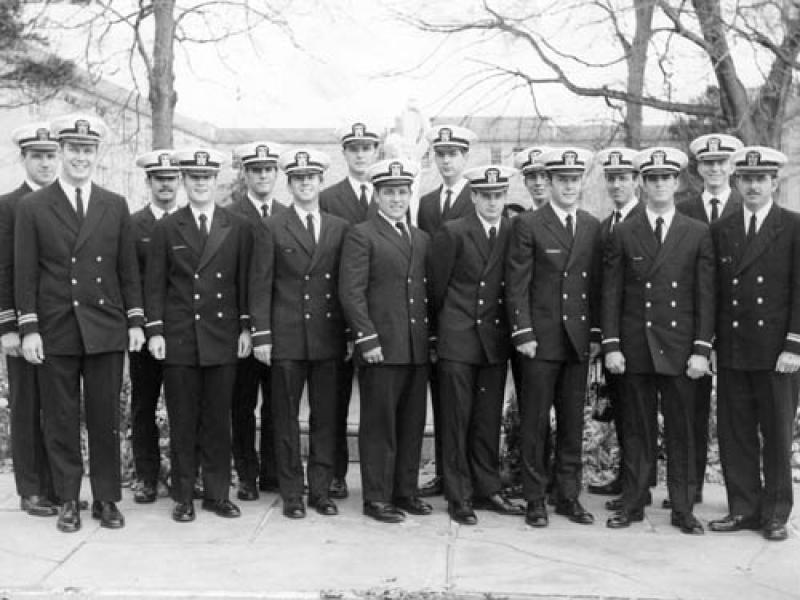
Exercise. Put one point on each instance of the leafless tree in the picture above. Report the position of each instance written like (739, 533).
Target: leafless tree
(651, 37)
(154, 30)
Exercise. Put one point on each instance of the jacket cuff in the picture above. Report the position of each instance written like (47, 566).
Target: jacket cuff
(611, 345)
(701, 348)
(792, 343)
(244, 323)
(28, 323)
(8, 321)
(261, 338)
(135, 317)
(523, 336)
(595, 336)
(154, 328)
(365, 343)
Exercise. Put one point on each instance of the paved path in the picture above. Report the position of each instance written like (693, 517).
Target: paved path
(264, 555)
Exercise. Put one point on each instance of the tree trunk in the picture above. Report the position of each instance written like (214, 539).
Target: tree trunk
(637, 62)
(162, 93)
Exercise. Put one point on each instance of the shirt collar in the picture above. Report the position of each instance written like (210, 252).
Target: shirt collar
(626, 210)
(562, 214)
(487, 225)
(69, 190)
(208, 211)
(456, 187)
(259, 203)
(159, 212)
(722, 197)
(32, 185)
(667, 216)
(356, 185)
(391, 221)
(760, 214)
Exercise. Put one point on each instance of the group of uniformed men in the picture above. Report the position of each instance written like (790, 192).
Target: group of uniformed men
(216, 303)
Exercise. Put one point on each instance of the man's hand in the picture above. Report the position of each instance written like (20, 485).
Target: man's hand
(528, 349)
(349, 349)
(11, 343)
(788, 362)
(33, 349)
(158, 347)
(594, 350)
(245, 345)
(696, 366)
(136, 339)
(374, 356)
(263, 353)
(615, 362)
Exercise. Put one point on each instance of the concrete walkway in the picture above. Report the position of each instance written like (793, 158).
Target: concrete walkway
(264, 555)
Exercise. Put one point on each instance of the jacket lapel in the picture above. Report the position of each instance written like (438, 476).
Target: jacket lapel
(63, 208)
(503, 231)
(734, 202)
(188, 230)
(581, 235)
(393, 235)
(478, 235)
(322, 242)
(94, 214)
(461, 203)
(220, 228)
(644, 235)
(298, 230)
(768, 231)
(675, 233)
(556, 227)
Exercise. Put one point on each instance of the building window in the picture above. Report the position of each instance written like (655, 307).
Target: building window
(496, 155)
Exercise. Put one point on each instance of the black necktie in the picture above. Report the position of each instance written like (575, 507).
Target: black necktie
(79, 204)
(310, 227)
(362, 199)
(203, 226)
(751, 229)
(659, 231)
(448, 196)
(492, 238)
(570, 228)
(403, 231)
(714, 209)
(264, 211)
(617, 218)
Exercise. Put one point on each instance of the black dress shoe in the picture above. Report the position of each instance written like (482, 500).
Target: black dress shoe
(338, 488)
(775, 531)
(69, 517)
(267, 484)
(574, 511)
(247, 491)
(734, 523)
(324, 506)
(624, 518)
(108, 514)
(687, 523)
(222, 508)
(499, 504)
(413, 505)
(293, 508)
(146, 493)
(612, 488)
(432, 487)
(461, 512)
(38, 506)
(385, 512)
(536, 515)
(183, 512)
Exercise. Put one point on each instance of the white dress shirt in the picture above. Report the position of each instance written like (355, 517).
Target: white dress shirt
(667, 216)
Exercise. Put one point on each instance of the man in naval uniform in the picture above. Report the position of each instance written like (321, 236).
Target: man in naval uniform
(758, 347)
(79, 307)
(39, 157)
(657, 321)
(259, 163)
(162, 175)
(350, 199)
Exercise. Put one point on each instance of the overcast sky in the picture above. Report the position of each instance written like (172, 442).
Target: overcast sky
(354, 58)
